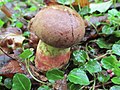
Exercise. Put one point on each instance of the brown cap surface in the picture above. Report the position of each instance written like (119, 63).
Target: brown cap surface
(58, 26)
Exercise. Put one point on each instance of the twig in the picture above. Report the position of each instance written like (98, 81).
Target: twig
(7, 54)
(97, 86)
(6, 11)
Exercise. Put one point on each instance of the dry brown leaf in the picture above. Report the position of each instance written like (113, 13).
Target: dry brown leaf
(11, 68)
(81, 2)
(11, 39)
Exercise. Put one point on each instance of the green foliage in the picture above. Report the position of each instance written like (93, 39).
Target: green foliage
(19, 24)
(21, 82)
(85, 10)
(44, 87)
(55, 74)
(102, 43)
(1, 79)
(116, 80)
(67, 2)
(116, 49)
(72, 86)
(103, 77)
(33, 8)
(101, 7)
(27, 53)
(1, 23)
(93, 66)
(79, 56)
(78, 76)
(8, 83)
(109, 62)
(26, 34)
(115, 87)
(108, 30)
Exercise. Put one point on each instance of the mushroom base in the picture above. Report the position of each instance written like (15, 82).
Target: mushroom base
(48, 57)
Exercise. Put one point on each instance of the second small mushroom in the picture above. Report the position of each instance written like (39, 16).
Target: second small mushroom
(58, 28)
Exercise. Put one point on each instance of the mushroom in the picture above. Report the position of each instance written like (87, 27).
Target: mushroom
(58, 28)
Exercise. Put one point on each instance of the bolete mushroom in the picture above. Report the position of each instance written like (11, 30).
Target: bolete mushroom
(58, 28)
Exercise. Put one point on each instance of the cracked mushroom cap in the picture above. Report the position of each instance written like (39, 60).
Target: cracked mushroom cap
(58, 26)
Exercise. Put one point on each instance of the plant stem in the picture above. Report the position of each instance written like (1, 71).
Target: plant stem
(27, 66)
(94, 82)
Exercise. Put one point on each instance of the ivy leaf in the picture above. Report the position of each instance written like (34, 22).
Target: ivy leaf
(93, 66)
(78, 76)
(21, 82)
(108, 30)
(55, 74)
(44, 87)
(27, 53)
(109, 62)
(115, 87)
(67, 2)
(116, 80)
(116, 49)
(8, 83)
(79, 56)
(101, 7)
(103, 78)
(102, 44)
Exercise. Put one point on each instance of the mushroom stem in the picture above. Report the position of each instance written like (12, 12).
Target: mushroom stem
(48, 57)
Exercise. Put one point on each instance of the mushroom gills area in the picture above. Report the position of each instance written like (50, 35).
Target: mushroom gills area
(48, 57)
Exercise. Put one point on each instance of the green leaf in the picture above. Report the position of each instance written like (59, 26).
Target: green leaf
(103, 78)
(117, 33)
(116, 80)
(1, 79)
(19, 24)
(101, 7)
(109, 62)
(107, 30)
(79, 56)
(44, 87)
(21, 82)
(26, 34)
(84, 10)
(102, 44)
(116, 49)
(93, 66)
(116, 70)
(67, 2)
(72, 86)
(78, 76)
(8, 83)
(115, 87)
(1, 23)
(27, 53)
(55, 74)
(33, 8)
(112, 13)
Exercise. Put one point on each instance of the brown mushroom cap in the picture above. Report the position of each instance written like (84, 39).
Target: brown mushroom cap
(58, 26)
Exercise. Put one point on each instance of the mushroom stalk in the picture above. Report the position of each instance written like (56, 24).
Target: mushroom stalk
(48, 57)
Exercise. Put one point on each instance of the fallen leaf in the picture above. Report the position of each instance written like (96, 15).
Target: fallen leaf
(11, 68)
